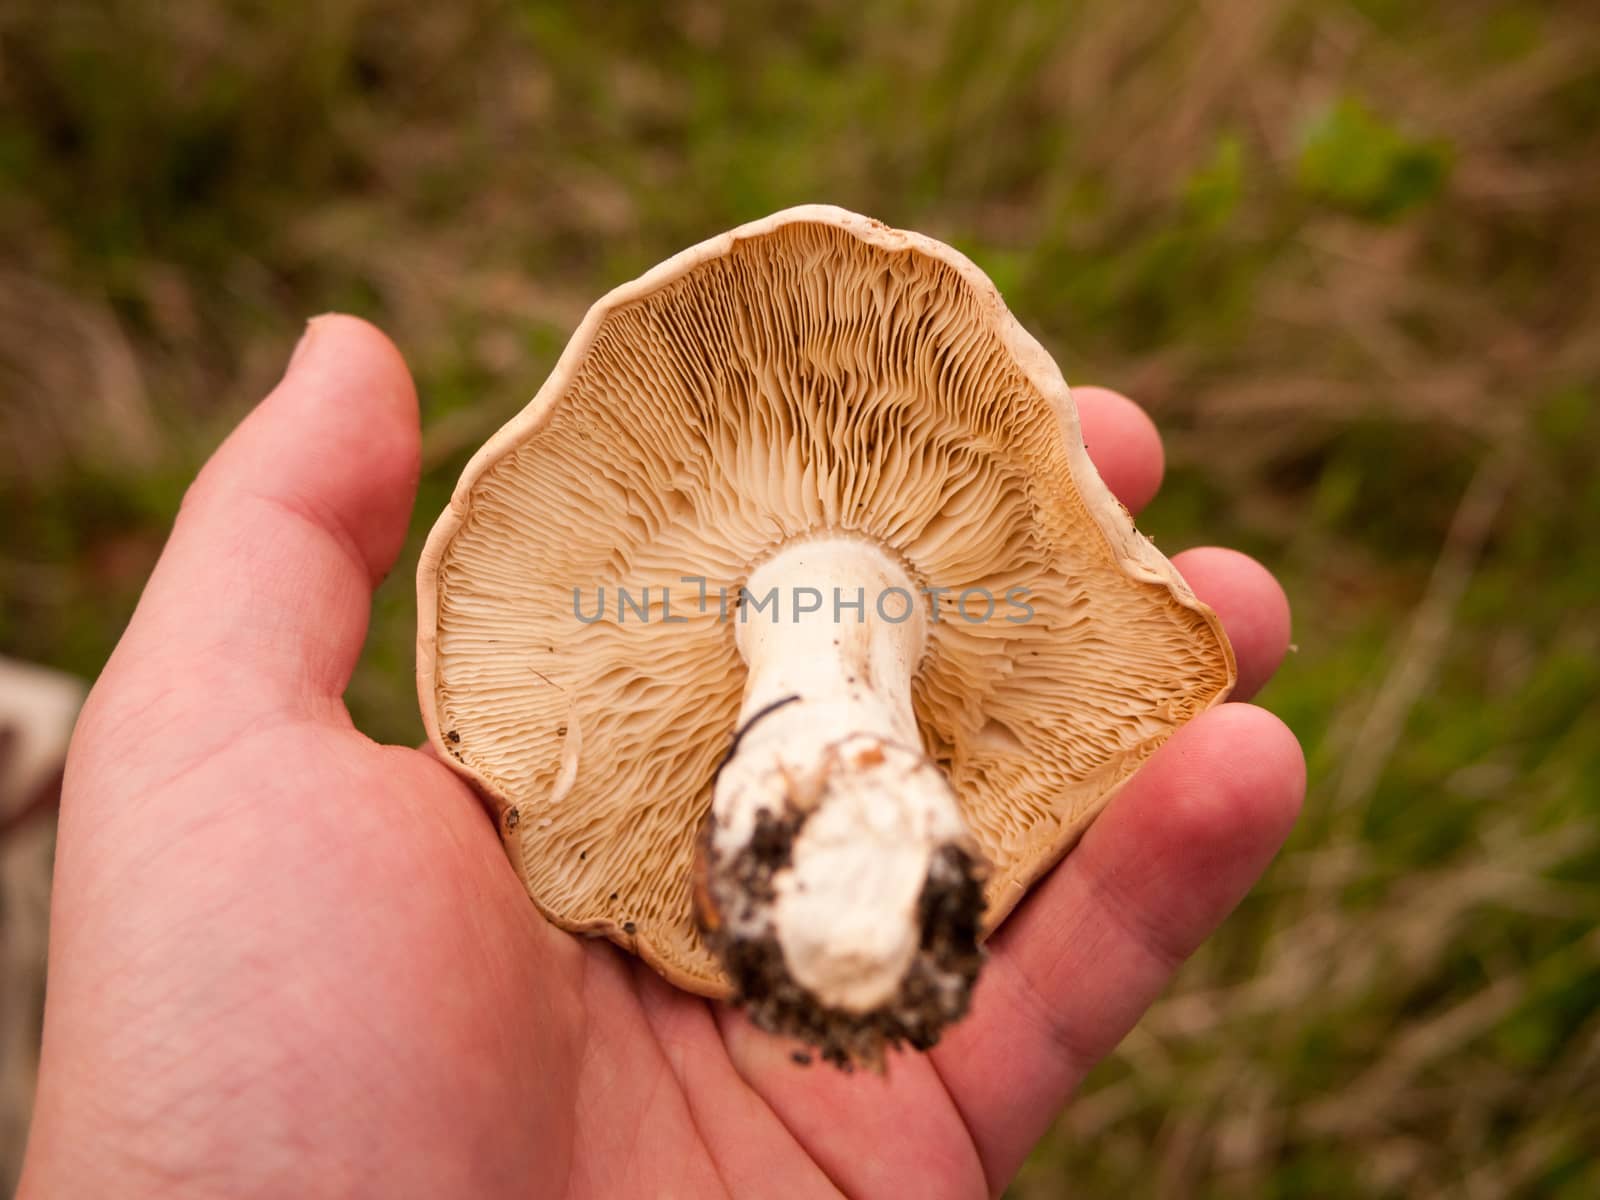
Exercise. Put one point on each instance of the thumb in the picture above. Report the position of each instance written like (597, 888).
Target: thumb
(260, 599)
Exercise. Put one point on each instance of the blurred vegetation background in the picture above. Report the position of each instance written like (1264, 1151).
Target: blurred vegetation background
(1346, 251)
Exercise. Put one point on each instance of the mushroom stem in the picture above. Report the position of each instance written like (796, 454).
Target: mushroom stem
(842, 880)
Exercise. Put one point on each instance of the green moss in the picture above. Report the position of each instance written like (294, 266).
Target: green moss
(1353, 159)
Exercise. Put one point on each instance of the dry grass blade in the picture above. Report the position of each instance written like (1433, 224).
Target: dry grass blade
(1417, 658)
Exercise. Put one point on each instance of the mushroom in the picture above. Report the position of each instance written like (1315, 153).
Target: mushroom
(791, 632)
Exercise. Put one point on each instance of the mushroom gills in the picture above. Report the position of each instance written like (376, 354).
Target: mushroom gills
(808, 379)
(839, 885)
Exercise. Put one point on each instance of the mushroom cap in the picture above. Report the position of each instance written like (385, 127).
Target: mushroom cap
(813, 372)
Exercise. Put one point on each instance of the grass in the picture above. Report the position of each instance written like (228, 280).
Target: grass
(1344, 250)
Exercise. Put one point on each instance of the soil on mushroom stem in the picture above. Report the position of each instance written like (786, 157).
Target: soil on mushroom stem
(937, 988)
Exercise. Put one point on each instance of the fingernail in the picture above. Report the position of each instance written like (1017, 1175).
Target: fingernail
(304, 344)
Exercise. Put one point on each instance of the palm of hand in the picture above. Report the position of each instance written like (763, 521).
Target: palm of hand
(282, 954)
(382, 989)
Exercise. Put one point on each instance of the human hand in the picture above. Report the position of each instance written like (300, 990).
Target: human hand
(287, 960)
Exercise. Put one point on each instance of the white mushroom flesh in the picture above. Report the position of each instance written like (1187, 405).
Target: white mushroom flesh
(828, 734)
